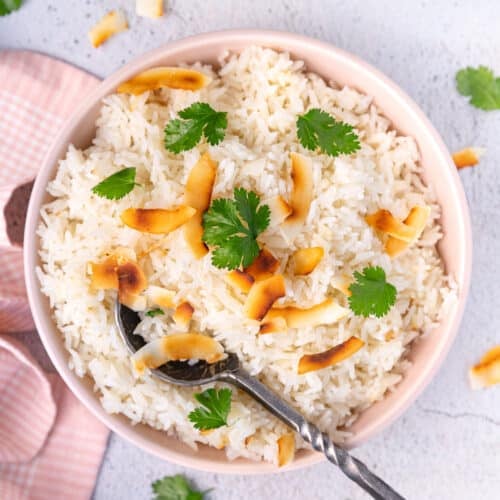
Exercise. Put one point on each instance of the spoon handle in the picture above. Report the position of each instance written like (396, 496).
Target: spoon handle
(350, 466)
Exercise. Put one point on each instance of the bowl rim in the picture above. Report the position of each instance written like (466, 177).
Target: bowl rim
(286, 41)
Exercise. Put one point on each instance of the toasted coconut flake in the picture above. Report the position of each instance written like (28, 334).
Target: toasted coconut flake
(312, 362)
(302, 195)
(342, 284)
(131, 283)
(487, 372)
(198, 195)
(239, 280)
(280, 210)
(135, 302)
(264, 266)
(384, 221)
(149, 8)
(275, 325)
(156, 78)
(183, 314)
(305, 260)
(263, 295)
(390, 335)
(249, 439)
(176, 347)
(417, 219)
(467, 157)
(104, 275)
(157, 220)
(324, 313)
(286, 449)
(113, 22)
(160, 296)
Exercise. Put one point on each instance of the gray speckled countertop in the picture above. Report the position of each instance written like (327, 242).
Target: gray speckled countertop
(447, 445)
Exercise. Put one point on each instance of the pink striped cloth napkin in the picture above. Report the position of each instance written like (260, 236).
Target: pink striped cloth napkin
(50, 445)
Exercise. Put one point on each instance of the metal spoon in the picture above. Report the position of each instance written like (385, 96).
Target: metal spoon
(229, 371)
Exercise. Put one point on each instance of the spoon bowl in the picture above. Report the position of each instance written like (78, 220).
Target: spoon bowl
(173, 372)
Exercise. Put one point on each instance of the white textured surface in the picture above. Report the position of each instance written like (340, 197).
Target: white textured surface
(447, 446)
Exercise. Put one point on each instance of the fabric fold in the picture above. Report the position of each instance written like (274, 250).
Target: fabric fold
(50, 445)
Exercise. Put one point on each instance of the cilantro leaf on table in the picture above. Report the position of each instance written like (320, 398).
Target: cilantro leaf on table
(232, 226)
(199, 119)
(154, 312)
(214, 411)
(318, 129)
(481, 86)
(118, 185)
(371, 294)
(8, 6)
(175, 488)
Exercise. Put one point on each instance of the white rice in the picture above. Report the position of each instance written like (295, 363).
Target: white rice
(263, 91)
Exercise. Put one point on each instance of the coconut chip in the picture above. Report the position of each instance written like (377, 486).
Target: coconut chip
(279, 208)
(156, 78)
(487, 372)
(177, 347)
(286, 449)
(157, 220)
(103, 274)
(149, 8)
(263, 295)
(324, 313)
(264, 266)
(121, 272)
(131, 283)
(275, 325)
(162, 297)
(305, 260)
(183, 314)
(312, 362)
(112, 23)
(239, 280)
(302, 195)
(467, 157)
(198, 194)
(384, 221)
(417, 219)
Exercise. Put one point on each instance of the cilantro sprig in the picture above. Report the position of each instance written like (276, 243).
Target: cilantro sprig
(154, 312)
(232, 226)
(8, 6)
(318, 129)
(118, 185)
(196, 120)
(481, 86)
(214, 411)
(175, 488)
(371, 294)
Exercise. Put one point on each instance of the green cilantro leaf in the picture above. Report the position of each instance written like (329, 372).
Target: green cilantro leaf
(371, 294)
(154, 312)
(232, 226)
(318, 129)
(116, 186)
(214, 411)
(175, 488)
(8, 6)
(196, 120)
(481, 86)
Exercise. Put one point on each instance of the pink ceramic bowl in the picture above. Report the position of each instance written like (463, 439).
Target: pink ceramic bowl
(331, 63)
